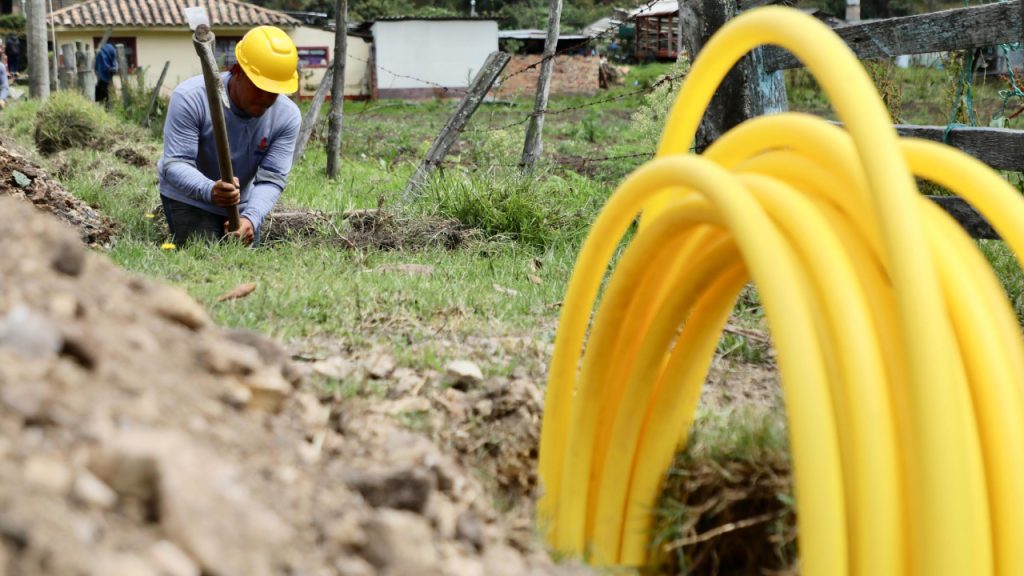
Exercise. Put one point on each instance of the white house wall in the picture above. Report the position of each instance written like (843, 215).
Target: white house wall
(157, 46)
(357, 70)
(442, 52)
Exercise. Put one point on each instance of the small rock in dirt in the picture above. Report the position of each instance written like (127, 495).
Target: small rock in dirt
(270, 351)
(314, 414)
(30, 400)
(225, 357)
(91, 491)
(443, 514)
(463, 374)
(64, 306)
(353, 566)
(502, 560)
(69, 257)
(20, 179)
(269, 389)
(402, 489)
(335, 368)
(400, 543)
(171, 560)
(484, 408)
(49, 474)
(29, 334)
(379, 365)
(122, 565)
(237, 396)
(174, 304)
(407, 382)
(470, 529)
(405, 405)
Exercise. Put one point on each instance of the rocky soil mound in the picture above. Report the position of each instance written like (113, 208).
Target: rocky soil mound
(137, 438)
(20, 178)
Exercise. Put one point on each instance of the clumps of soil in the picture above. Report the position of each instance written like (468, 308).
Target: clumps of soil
(136, 437)
(366, 229)
(132, 157)
(22, 179)
(67, 120)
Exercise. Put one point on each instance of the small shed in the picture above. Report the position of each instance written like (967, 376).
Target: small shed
(428, 57)
(657, 31)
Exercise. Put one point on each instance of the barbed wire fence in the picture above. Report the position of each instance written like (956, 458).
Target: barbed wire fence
(374, 107)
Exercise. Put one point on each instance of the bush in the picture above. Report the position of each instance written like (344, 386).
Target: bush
(67, 120)
(535, 208)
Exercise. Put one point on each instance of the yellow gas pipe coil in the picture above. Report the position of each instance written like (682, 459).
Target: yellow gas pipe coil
(902, 361)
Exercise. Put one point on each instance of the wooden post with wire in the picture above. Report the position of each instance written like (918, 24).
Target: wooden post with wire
(488, 73)
(156, 93)
(534, 144)
(122, 72)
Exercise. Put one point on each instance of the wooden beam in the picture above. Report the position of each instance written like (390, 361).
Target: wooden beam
(533, 144)
(959, 28)
(1000, 148)
(974, 223)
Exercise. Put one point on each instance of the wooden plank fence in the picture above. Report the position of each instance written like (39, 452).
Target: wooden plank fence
(756, 86)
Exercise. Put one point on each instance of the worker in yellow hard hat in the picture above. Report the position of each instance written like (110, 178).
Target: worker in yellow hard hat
(262, 129)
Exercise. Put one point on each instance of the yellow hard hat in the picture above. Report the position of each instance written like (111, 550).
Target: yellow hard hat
(268, 56)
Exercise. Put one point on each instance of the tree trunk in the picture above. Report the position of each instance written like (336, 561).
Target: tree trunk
(534, 145)
(38, 59)
(337, 88)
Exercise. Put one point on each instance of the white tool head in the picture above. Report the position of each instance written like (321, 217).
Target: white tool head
(196, 16)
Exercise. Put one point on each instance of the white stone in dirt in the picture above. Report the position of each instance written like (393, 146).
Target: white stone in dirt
(379, 365)
(353, 566)
(502, 560)
(407, 382)
(315, 415)
(400, 543)
(203, 507)
(29, 333)
(406, 405)
(171, 560)
(335, 368)
(463, 372)
(176, 305)
(91, 491)
(111, 564)
(484, 407)
(269, 389)
(48, 474)
(222, 356)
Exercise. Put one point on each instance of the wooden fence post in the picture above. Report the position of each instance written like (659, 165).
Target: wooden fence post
(336, 114)
(156, 93)
(86, 76)
(488, 73)
(313, 114)
(69, 71)
(122, 72)
(747, 90)
(534, 145)
(35, 28)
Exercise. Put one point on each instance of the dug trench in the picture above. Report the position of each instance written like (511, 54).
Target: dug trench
(140, 438)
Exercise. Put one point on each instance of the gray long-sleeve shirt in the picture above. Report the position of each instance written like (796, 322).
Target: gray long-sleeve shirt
(261, 152)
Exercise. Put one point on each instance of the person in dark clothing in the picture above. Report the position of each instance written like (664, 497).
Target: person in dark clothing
(106, 65)
(13, 49)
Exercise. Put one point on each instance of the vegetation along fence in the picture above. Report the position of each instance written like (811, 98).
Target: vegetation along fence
(757, 87)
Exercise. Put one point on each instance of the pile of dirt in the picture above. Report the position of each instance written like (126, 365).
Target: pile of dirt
(366, 229)
(20, 178)
(137, 438)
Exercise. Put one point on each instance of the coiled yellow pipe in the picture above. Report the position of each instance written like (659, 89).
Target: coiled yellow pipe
(902, 362)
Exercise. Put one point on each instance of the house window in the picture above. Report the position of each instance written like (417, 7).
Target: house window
(313, 57)
(225, 51)
(130, 51)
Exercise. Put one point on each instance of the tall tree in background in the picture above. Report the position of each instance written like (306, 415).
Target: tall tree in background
(337, 88)
(38, 58)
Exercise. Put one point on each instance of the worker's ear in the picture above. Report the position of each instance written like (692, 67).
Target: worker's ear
(236, 69)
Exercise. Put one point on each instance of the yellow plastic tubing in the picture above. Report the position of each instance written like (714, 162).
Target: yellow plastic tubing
(902, 362)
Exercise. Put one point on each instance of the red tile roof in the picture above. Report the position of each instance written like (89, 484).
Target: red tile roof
(165, 13)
